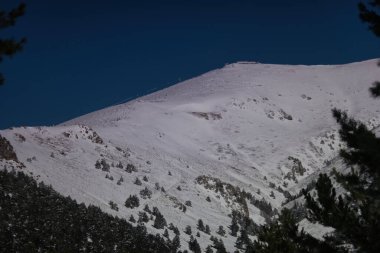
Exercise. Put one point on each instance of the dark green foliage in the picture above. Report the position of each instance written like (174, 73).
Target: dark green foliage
(113, 205)
(207, 229)
(283, 236)
(188, 230)
(176, 243)
(265, 207)
(8, 47)
(326, 199)
(209, 249)
(370, 15)
(355, 216)
(132, 219)
(130, 168)
(188, 203)
(221, 231)
(34, 218)
(159, 221)
(143, 217)
(194, 246)
(146, 193)
(103, 165)
(132, 201)
(137, 181)
(234, 227)
(145, 178)
(218, 245)
(166, 233)
(146, 209)
(200, 225)
(174, 229)
(242, 239)
(121, 179)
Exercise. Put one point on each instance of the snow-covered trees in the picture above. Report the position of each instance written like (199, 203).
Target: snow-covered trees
(57, 222)
(132, 201)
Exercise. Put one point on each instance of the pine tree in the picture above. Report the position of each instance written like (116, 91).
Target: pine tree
(146, 209)
(221, 231)
(160, 221)
(132, 201)
(137, 181)
(146, 193)
(283, 236)
(166, 233)
(242, 239)
(234, 228)
(113, 205)
(188, 230)
(209, 249)
(132, 219)
(9, 47)
(355, 214)
(176, 242)
(194, 246)
(200, 225)
(207, 230)
(219, 246)
(143, 217)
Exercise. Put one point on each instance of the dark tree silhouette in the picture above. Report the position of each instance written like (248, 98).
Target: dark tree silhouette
(369, 13)
(8, 47)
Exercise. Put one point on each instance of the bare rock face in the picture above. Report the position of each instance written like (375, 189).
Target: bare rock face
(6, 150)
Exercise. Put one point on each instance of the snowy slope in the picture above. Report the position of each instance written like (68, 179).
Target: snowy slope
(255, 126)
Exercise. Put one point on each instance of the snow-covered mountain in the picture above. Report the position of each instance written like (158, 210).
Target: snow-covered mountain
(262, 128)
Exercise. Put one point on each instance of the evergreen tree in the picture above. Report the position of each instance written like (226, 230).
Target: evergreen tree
(283, 236)
(166, 233)
(176, 243)
(132, 201)
(35, 218)
(160, 221)
(146, 193)
(188, 230)
(113, 205)
(221, 231)
(143, 217)
(242, 239)
(9, 47)
(234, 227)
(146, 209)
(219, 246)
(137, 181)
(207, 230)
(209, 249)
(200, 225)
(194, 246)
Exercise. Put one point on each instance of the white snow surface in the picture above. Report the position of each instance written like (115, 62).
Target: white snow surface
(240, 124)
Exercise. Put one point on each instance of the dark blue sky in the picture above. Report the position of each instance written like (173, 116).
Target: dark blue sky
(85, 55)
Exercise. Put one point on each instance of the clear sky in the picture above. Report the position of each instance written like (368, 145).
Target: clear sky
(86, 55)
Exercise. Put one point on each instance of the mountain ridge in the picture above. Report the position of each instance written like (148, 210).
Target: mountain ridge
(262, 128)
